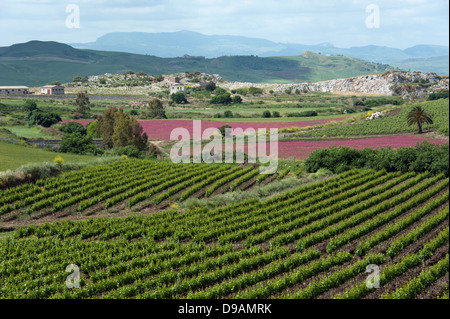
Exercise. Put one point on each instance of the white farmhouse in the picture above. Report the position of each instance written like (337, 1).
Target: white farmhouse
(52, 89)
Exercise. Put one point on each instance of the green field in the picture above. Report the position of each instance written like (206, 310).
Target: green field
(13, 156)
(33, 132)
(295, 245)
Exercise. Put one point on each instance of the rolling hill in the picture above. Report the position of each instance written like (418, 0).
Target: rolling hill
(173, 44)
(37, 63)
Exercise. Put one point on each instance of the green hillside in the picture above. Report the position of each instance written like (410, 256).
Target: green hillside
(37, 63)
(328, 67)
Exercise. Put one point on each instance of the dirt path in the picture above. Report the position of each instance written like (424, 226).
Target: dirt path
(159, 148)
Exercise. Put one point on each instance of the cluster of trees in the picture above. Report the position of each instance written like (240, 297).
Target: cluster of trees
(35, 116)
(223, 97)
(421, 158)
(76, 140)
(121, 132)
(120, 129)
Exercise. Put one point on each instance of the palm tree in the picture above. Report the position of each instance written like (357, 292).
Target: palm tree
(418, 116)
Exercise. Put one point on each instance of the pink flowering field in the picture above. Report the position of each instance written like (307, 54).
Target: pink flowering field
(301, 149)
(161, 129)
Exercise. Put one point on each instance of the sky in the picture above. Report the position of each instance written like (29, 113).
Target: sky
(343, 23)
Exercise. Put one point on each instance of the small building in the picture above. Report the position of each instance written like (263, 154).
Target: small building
(14, 90)
(93, 78)
(52, 89)
(172, 79)
(177, 88)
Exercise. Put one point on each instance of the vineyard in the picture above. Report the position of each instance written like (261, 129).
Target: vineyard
(312, 242)
(389, 124)
(133, 185)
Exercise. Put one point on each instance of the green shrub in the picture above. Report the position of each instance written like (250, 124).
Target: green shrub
(38, 117)
(421, 158)
(267, 114)
(73, 127)
(76, 143)
(129, 151)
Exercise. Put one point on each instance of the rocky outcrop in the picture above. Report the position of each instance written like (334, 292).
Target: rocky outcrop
(391, 83)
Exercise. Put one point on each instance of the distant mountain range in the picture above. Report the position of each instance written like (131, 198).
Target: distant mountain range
(176, 44)
(36, 63)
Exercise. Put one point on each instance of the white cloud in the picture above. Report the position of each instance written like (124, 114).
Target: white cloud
(403, 22)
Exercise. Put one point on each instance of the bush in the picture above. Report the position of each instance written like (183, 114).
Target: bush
(438, 96)
(219, 91)
(242, 91)
(129, 151)
(237, 99)
(228, 114)
(276, 114)
(267, 114)
(92, 130)
(77, 143)
(255, 91)
(30, 105)
(303, 114)
(421, 158)
(73, 127)
(179, 98)
(37, 117)
(223, 99)
(210, 87)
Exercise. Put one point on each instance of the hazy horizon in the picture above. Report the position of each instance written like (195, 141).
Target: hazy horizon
(347, 23)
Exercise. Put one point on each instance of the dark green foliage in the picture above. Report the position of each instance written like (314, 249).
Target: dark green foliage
(120, 129)
(211, 86)
(38, 117)
(276, 114)
(73, 127)
(78, 143)
(157, 110)
(423, 157)
(130, 151)
(223, 99)
(438, 96)
(83, 104)
(219, 91)
(179, 98)
(242, 91)
(237, 99)
(373, 102)
(267, 114)
(255, 91)
(228, 114)
(30, 105)
(303, 114)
